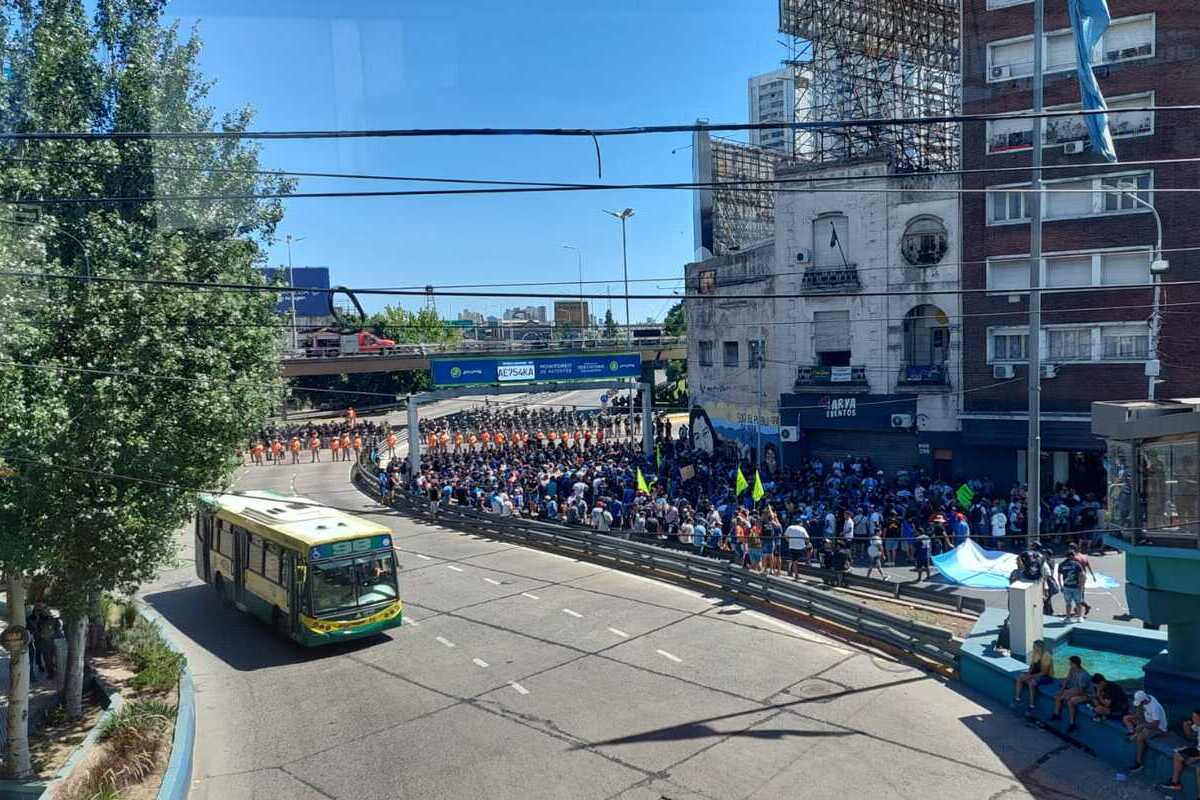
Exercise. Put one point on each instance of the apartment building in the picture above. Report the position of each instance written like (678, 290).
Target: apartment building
(1099, 231)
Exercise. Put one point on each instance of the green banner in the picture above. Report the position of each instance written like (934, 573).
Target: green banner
(964, 495)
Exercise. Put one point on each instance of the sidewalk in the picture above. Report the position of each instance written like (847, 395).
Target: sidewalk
(43, 691)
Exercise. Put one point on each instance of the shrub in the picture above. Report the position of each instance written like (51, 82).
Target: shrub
(156, 665)
(147, 716)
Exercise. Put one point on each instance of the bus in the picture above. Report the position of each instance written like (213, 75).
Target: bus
(318, 575)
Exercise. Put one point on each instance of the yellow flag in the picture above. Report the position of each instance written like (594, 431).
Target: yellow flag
(758, 491)
(740, 485)
(642, 486)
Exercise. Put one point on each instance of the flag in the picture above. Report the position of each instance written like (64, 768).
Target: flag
(833, 240)
(642, 486)
(658, 456)
(740, 485)
(758, 491)
(1089, 21)
(964, 495)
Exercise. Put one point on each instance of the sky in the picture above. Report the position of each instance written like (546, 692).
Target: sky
(358, 64)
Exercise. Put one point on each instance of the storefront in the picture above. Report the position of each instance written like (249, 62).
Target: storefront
(1071, 454)
(834, 426)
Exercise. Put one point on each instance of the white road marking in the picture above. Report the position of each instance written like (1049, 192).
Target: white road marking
(427, 558)
(575, 614)
(520, 689)
(410, 621)
(456, 569)
(620, 633)
(530, 596)
(479, 662)
(492, 581)
(667, 655)
(445, 641)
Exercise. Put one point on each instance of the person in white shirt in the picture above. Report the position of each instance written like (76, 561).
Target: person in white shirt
(848, 530)
(875, 555)
(999, 527)
(797, 539)
(1145, 721)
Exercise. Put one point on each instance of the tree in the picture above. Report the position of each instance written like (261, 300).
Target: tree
(675, 323)
(159, 384)
(610, 325)
(414, 327)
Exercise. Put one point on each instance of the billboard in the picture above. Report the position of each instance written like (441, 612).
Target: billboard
(313, 303)
(466, 371)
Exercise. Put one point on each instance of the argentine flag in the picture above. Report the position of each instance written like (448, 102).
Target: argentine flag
(1089, 21)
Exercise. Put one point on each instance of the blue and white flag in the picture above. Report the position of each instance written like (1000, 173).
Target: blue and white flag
(1089, 21)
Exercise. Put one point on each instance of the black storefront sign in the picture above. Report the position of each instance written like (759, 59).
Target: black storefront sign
(857, 412)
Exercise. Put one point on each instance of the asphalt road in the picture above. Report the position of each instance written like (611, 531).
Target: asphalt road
(528, 675)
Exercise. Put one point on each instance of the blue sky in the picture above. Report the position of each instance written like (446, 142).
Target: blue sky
(313, 64)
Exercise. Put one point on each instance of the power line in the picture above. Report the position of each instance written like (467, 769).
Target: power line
(592, 133)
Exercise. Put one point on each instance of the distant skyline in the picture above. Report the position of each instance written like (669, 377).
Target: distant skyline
(304, 64)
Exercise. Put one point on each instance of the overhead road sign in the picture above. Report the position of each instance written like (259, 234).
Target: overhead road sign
(467, 371)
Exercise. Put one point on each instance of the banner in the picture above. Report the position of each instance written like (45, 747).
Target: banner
(467, 371)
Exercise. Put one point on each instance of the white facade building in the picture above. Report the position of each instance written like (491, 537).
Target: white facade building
(780, 96)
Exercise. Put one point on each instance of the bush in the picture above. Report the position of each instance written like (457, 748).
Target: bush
(156, 665)
(147, 716)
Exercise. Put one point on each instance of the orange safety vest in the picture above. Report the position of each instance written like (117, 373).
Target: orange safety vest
(431, 440)
(472, 439)
(458, 440)
(335, 443)
(295, 445)
(444, 438)
(345, 441)
(391, 440)
(357, 442)
(259, 448)
(314, 443)
(499, 438)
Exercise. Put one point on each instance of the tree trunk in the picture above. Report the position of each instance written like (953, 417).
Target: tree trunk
(97, 625)
(77, 626)
(17, 763)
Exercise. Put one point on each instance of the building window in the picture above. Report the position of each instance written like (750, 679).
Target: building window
(1061, 270)
(1074, 198)
(706, 354)
(1126, 39)
(707, 281)
(831, 247)
(1119, 342)
(1069, 344)
(1011, 135)
(924, 242)
(1010, 347)
(758, 352)
(731, 353)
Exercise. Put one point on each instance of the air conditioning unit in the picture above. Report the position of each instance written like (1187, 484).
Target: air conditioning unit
(1159, 266)
(999, 73)
(804, 256)
(1074, 148)
(901, 420)
(1049, 370)
(789, 433)
(1003, 371)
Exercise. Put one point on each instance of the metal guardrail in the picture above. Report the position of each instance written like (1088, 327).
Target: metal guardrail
(470, 347)
(916, 638)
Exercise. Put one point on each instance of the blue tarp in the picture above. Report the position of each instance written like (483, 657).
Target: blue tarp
(971, 566)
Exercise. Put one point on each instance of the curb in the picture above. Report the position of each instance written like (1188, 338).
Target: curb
(177, 780)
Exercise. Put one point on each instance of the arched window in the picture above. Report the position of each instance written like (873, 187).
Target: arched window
(926, 336)
(924, 242)
(831, 246)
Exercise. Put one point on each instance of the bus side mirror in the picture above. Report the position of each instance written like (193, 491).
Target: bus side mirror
(301, 574)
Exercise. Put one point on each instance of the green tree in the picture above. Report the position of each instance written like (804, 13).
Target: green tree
(158, 384)
(675, 323)
(610, 325)
(414, 327)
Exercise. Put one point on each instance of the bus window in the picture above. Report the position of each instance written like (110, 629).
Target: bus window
(254, 562)
(271, 562)
(376, 578)
(353, 583)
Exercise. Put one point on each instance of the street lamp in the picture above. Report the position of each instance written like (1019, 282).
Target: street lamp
(579, 261)
(624, 215)
(1158, 266)
(292, 287)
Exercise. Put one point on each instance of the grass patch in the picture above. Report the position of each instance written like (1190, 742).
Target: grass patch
(157, 667)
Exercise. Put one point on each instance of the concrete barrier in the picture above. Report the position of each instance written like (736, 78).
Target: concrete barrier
(177, 780)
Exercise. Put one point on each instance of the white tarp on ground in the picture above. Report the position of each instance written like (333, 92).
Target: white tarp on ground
(972, 566)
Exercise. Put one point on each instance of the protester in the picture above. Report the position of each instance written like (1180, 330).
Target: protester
(1185, 757)
(1041, 671)
(1146, 721)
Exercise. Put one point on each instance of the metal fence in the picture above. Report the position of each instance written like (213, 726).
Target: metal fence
(910, 636)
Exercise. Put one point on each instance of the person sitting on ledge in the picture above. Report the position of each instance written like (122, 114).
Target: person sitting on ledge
(1109, 700)
(1185, 756)
(1145, 722)
(1041, 670)
(1074, 690)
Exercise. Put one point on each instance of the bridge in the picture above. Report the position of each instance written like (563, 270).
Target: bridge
(417, 356)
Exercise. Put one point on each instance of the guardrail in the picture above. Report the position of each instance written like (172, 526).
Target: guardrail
(928, 642)
(469, 347)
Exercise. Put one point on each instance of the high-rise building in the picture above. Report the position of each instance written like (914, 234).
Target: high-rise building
(778, 96)
(1099, 229)
(530, 313)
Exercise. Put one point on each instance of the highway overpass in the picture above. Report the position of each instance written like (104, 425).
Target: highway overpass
(417, 356)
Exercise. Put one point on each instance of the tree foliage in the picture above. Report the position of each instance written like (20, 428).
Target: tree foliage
(414, 327)
(675, 323)
(140, 392)
(610, 325)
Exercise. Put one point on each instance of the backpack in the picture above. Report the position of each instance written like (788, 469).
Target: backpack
(1030, 562)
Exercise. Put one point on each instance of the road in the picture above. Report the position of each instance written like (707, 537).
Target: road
(524, 674)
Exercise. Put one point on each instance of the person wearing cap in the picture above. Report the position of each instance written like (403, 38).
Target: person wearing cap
(1145, 722)
(1185, 756)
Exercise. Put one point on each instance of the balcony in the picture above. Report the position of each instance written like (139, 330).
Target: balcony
(831, 279)
(923, 379)
(851, 380)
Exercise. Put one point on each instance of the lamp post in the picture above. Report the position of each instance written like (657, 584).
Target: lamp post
(292, 287)
(579, 262)
(1157, 267)
(624, 215)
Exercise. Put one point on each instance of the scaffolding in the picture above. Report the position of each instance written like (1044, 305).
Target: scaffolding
(869, 59)
(733, 217)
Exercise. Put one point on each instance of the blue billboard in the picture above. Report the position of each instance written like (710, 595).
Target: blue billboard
(312, 303)
(465, 371)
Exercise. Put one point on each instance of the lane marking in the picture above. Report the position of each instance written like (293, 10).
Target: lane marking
(445, 641)
(667, 655)
(410, 621)
(530, 596)
(520, 689)
(492, 581)
(480, 662)
(575, 614)
(421, 555)
(620, 633)
(456, 569)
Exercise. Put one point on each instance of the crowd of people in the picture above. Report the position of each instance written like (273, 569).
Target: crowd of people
(343, 439)
(587, 468)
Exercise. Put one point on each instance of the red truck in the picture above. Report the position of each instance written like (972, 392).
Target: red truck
(329, 344)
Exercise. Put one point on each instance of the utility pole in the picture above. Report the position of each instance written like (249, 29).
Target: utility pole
(624, 215)
(1033, 451)
(292, 289)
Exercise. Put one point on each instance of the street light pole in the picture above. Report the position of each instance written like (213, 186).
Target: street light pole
(1157, 267)
(292, 288)
(1033, 452)
(624, 215)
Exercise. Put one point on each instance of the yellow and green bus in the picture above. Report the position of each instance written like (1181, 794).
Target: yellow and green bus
(318, 575)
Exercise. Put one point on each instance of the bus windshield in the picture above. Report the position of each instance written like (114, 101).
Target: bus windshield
(348, 583)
